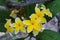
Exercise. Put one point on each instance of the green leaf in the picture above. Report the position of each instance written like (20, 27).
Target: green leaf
(54, 6)
(29, 10)
(48, 35)
(3, 16)
(20, 39)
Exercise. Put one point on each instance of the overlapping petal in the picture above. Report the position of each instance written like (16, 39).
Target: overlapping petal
(18, 25)
(35, 32)
(13, 13)
(29, 29)
(8, 27)
(47, 12)
(27, 22)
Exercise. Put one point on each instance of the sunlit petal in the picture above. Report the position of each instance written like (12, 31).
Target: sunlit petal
(47, 12)
(22, 29)
(29, 29)
(8, 23)
(13, 13)
(37, 10)
(33, 16)
(43, 20)
(10, 29)
(35, 32)
(7, 26)
(36, 28)
(18, 20)
(43, 7)
(16, 30)
(27, 22)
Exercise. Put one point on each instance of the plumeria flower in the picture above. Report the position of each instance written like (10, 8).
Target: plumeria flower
(38, 15)
(14, 13)
(18, 25)
(47, 12)
(8, 27)
(33, 25)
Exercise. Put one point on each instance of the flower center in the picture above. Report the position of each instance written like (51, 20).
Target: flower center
(38, 15)
(32, 23)
(19, 25)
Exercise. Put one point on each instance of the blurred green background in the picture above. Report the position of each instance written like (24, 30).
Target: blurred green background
(54, 7)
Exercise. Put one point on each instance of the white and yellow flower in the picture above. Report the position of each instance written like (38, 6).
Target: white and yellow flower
(14, 13)
(38, 15)
(33, 25)
(8, 27)
(18, 25)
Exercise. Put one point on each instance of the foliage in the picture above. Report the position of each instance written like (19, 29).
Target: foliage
(54, 6)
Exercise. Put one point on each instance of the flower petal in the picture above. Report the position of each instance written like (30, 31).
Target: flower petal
(43, 7)
(37, 10)
(8, 23)
(13, 13)
(36, 22)
(33, 17)
(35, 33)
(22, 29)
(47, 12)
(43, 20)
(27, 22)
(36, 27)
(29, 29)
(10, 29)
(17, 20)
(16, 30)
(40, 26)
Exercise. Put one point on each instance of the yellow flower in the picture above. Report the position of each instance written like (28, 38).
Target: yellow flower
(38, 15)
(47, 12)
(8, 27)
(38, 11)
(18, 25)
(33, 25)
(14, 13)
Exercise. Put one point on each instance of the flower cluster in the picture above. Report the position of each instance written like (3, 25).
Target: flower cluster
(33, 25)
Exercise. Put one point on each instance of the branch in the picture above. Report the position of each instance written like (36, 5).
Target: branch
(14, 4)
(25, 3)
(4, 8)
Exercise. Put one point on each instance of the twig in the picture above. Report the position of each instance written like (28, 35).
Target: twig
(4, 8)
(14, 4)
(25, 3)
